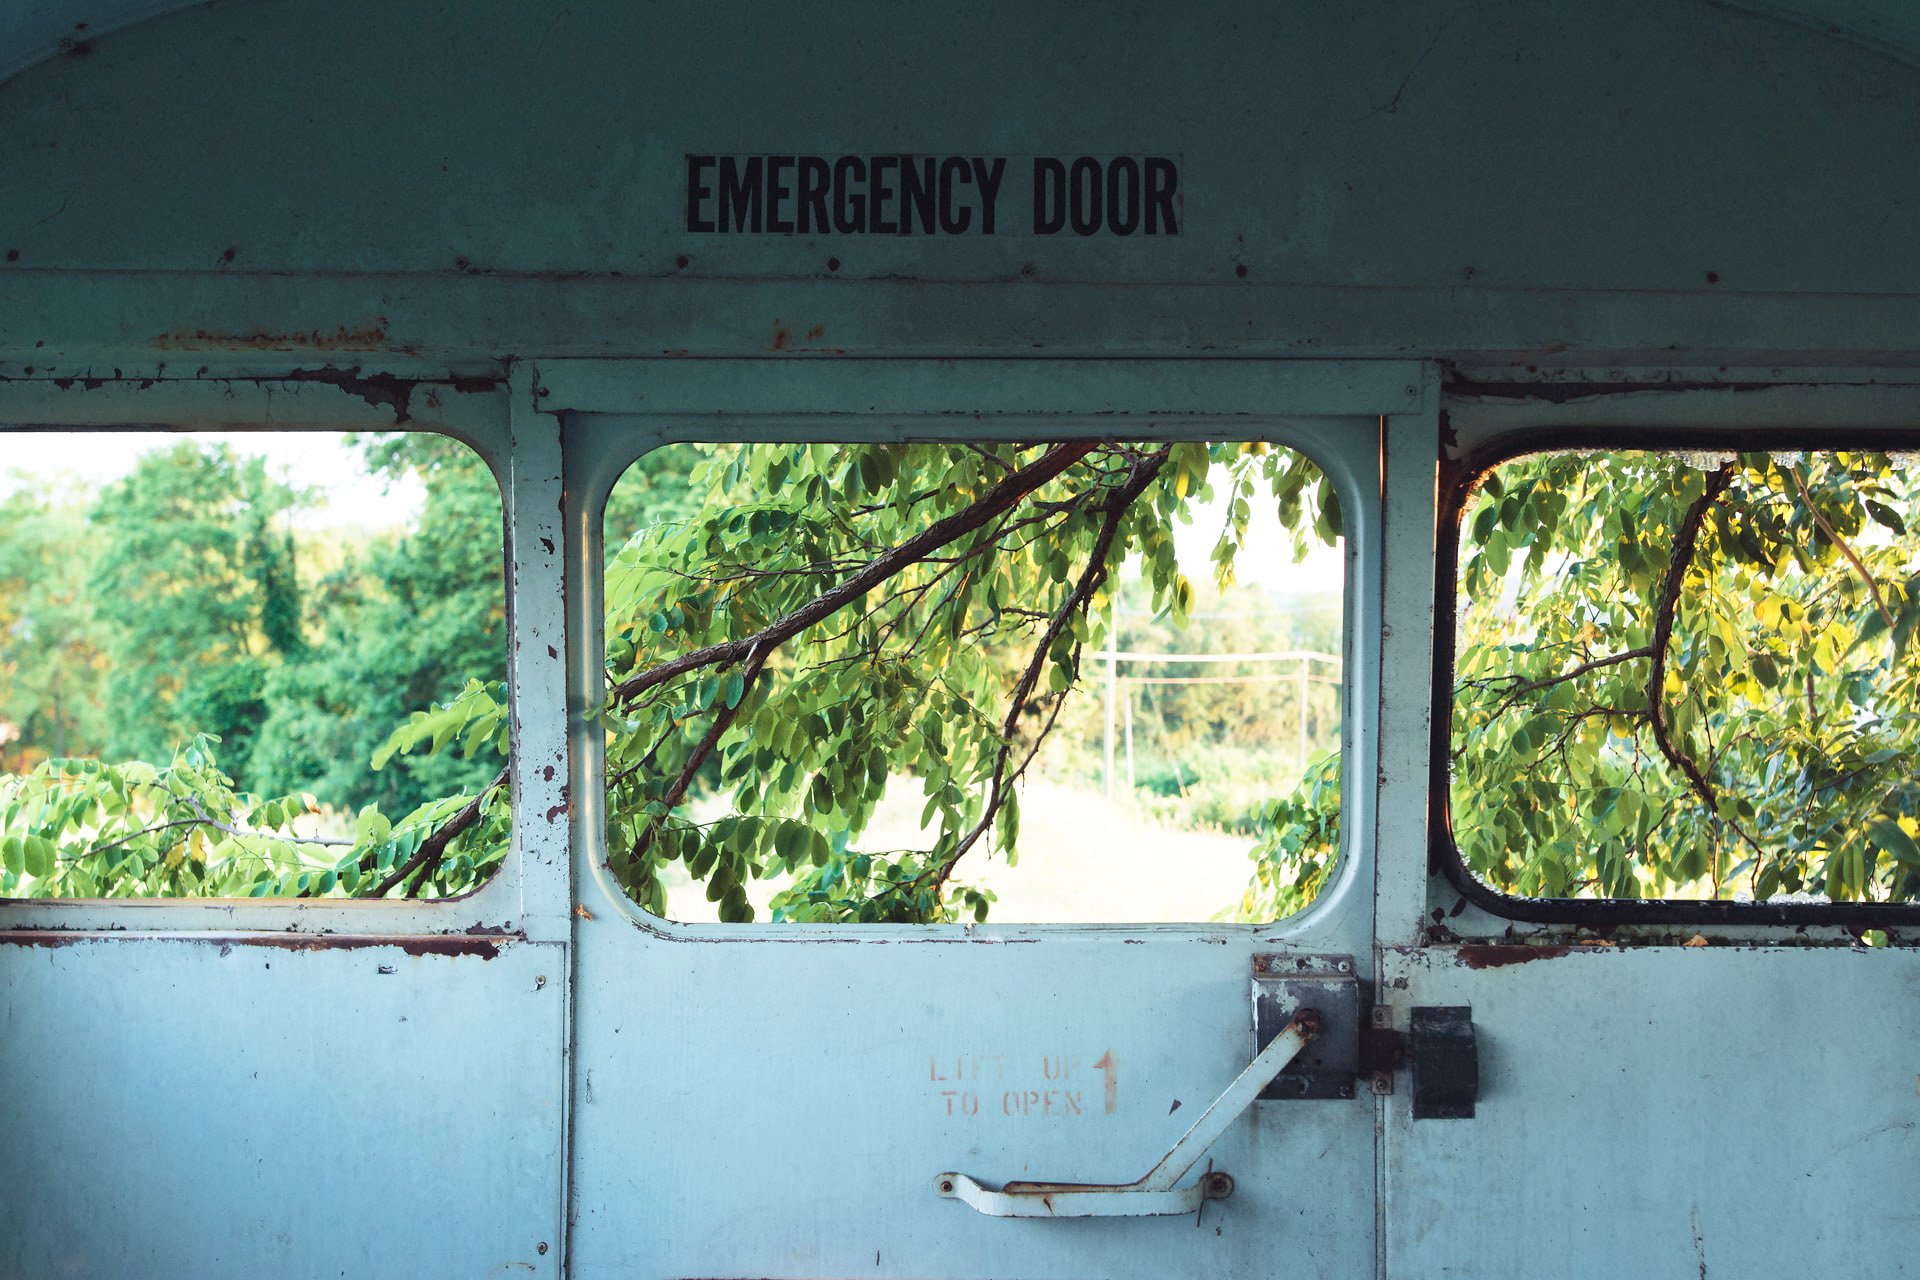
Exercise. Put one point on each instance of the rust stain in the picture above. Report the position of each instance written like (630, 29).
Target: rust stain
(49, 940)
(485, 948)
(464, 944)
(366, 337)
(818, 331)
(381, 390)
(780, 337)
(1496, 955)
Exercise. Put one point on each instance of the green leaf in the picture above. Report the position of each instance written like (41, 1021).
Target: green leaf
(1887, 516)
(1897, 844)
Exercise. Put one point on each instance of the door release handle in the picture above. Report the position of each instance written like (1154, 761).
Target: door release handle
(1155, 1193)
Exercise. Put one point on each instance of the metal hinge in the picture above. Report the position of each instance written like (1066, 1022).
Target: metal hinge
(1382, 1050)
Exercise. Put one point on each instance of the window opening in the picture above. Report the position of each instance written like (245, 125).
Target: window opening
(249, 665)
(1690, 676)
(1077, 681)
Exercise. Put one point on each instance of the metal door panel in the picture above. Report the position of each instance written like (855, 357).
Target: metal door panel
(1739, 1111)
(297, 1106)
(782, 1108)
(772, 1100)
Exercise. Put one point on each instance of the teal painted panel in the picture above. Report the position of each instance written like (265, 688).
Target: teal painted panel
(200, 1106)
(1739, 1111)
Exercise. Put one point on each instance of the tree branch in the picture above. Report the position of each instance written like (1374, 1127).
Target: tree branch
(1593, 664)
(1000, 498)
(1833, 536)
(721, 722)
(1118, 500)
(427, 857)
(1686, 537)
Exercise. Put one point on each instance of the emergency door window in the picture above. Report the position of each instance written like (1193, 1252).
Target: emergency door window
(1690, 676)
(1071, 681)
(249, 665)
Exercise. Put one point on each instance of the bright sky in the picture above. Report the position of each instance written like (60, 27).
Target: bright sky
(1266, 556)
(316, 460)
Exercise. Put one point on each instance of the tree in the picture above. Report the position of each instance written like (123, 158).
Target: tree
(221, 671)
(1690, 677)
(194, 592)
(51, 666)
(402, 623)
(855, 615)
(839, 616)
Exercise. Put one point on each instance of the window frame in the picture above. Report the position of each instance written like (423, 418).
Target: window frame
(1459, 477)
(481, 417)
(1343, 853)
(898, 401)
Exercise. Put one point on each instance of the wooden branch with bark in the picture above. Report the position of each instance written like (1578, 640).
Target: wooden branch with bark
(1685, 539)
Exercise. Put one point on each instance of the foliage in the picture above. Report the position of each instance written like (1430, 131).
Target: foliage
(193, 581)
(181, 626)
(52, 669)
(791, 629)
(1690, 677)
(400, 624)
(1675, 675)
(85, 828)
(1299, 845)
(847, 616)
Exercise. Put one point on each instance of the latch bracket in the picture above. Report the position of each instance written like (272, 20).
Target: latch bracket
(1285, 984)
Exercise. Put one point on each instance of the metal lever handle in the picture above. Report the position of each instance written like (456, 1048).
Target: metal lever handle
(1155, 1193)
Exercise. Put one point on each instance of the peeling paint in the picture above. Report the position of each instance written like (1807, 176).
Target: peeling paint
(366, 337)
(1496, 955)
(485, 945)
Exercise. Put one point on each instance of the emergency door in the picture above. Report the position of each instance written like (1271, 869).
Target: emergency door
(784, 1100)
